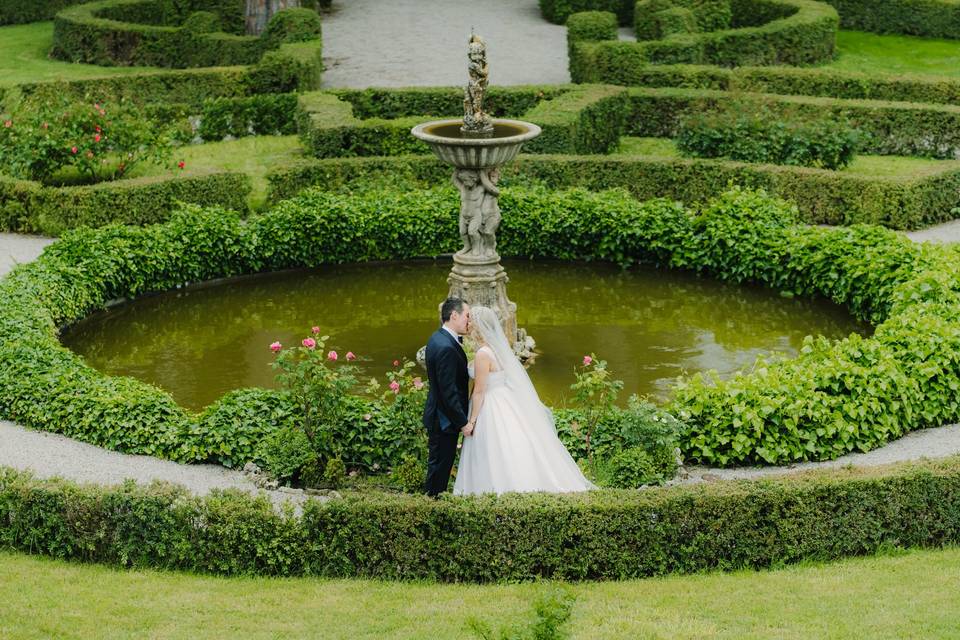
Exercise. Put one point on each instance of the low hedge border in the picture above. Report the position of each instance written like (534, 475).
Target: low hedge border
(929, 18)
(602, 535)
(27, 11)
(32, 208)
(574, 119)
(800, 32)
(156, 33)
(822, 197)
(835, 397)
(892, 128)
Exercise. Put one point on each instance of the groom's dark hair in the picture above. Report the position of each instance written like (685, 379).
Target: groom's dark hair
(449, 306)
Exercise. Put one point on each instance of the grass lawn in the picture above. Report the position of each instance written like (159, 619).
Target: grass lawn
(894, 55)
(254, 155)
(913, 595)
(24, 57)
(878, 166)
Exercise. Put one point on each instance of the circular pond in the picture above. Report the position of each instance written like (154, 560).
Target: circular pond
(650, 325)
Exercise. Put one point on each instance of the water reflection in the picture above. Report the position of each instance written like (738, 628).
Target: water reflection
(650, 325)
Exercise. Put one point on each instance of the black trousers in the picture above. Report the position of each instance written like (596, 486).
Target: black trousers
(442, 449)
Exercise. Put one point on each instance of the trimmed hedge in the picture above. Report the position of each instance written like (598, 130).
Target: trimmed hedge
(585, 119)
(765, 32)
(26, 11)
(601, 535)
(785, 80)
(892, 128)
(30, 207)
(823, 197)
(162, 33)
(559, 11)
(930, 18)
(835, 397)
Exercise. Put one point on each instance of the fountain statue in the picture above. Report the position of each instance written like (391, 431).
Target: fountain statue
(477, 146)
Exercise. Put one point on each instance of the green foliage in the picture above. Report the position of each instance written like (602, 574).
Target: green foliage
(293, 25)
(169, 34)
(100, 141)
(266, 114)
(409, 475)
(756, 135)
(824, 197)
(286, 454)
(629, 469)
(595, 393)
(584, 119)
(889, 128)
(30, 207)
(26, 11)
(764, 32)
(551, 611)
(560, 11)
(599, 535)
(930, 18)
(835, 397)
(334, 473)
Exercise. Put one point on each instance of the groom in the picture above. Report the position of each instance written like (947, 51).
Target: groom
(445, 414)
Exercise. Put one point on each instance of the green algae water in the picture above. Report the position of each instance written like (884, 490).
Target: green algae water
(650, 325)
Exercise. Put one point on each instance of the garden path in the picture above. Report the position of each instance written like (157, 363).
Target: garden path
(405, 43)
(48, 454)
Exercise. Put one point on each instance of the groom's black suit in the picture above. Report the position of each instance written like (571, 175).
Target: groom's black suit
(446, 410)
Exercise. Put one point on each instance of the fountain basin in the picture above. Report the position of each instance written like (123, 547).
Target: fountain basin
(466, 151)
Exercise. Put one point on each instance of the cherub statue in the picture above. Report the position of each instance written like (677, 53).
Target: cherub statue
(471, 201)
(474, 118)
(490, 211)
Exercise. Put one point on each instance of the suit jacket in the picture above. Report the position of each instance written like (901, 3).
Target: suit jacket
(448, 397)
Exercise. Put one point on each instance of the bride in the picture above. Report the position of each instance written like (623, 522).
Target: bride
(514, 444)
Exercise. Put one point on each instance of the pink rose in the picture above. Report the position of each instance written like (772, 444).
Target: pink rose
(96, 137)
(8, 124)
(417, 383)
(181, 164)
(310, 343)
(276, 346)
(73, 150)
(316, 331)
(332, 355)
(587, 360)
(396, 363)
(368, 417)
(395, 386)
(96, 128)
(350, 356)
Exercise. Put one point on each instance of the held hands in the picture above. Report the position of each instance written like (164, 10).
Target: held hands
(467, 429)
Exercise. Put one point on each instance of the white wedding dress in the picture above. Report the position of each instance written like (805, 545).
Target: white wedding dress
(514, 446)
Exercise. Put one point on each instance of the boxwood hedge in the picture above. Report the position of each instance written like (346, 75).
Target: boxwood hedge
(836, 397)
(822, 197)
(609, 534)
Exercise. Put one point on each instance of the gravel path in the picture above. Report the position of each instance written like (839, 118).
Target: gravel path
(16, 248)
(405, 43)
(941, 233)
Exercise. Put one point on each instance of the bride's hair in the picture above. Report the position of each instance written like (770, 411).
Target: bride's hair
(485, 326)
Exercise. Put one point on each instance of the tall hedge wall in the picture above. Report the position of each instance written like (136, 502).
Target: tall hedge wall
(603, 535)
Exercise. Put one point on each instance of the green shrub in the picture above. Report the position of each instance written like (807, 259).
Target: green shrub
(101, 142)
(600, 535)
(629, 469)
(764, 32)
(267, 114)
(26, 11)
(552, 612)
(890, 128)
(590, 26)
(286, 453)
(823, 197)
(334, 473)
(409, 475)
(293, 25)
(560, 11)
(930, 18)
(756, 135)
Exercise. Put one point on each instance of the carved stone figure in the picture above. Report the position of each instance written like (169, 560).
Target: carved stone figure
(479, 211)
(490, 211)
(474, 118)
(259, 12)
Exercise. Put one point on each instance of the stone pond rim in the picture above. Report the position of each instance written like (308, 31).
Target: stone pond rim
(465, 151)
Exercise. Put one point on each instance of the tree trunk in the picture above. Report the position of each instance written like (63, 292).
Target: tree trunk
(259, 13)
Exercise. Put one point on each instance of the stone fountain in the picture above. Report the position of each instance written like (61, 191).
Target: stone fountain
(477, 146)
